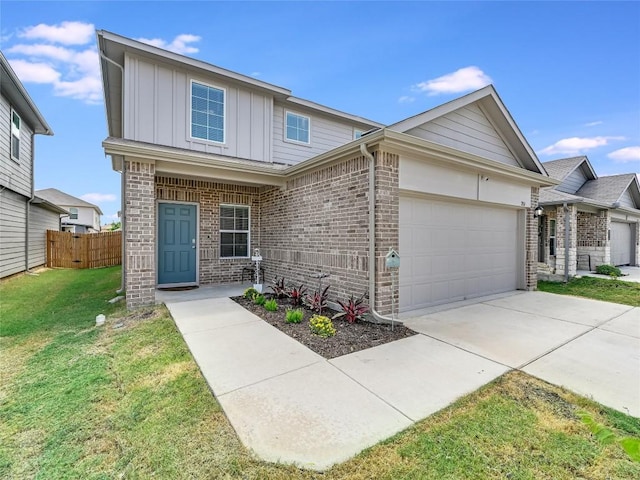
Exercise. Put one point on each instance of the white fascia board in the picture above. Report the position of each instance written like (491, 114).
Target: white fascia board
(333, 112)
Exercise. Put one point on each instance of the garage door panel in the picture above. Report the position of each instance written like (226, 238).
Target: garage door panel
(452, 251)
(621, 243)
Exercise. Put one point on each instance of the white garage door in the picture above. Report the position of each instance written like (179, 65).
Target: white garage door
(454, 251)
(621, 243)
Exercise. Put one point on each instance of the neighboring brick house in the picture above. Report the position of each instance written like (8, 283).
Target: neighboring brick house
(24, 217)
(80, 217)
(216, 164)
(603, 214)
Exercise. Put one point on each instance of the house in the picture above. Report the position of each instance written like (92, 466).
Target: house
(216, 164)
(602, 213)
(82, 216)
(24, 217)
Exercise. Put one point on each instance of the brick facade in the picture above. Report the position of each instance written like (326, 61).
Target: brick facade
(593, 246)
(531, 243)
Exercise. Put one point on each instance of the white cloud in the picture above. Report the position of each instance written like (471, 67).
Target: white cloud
(66, 33)
(35, 72)
(178, 45)
(593, 124)
(406, 99)
(627, 154)
(577, 145)
(462, 80)
(99, 197)
(256, 74)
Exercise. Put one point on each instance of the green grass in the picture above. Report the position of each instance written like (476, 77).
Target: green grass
(84, 402)
(617, 291)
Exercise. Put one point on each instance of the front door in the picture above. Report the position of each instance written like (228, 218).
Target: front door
(177, 244)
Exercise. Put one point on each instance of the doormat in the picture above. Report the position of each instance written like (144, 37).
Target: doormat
(178, 289)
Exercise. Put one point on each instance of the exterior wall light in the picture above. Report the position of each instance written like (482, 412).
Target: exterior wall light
(538, 211)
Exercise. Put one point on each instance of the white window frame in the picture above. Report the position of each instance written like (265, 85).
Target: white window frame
(357, 131)
(15, 132)
(247, 231)
(291, 140)
(552, 238)
(73, 211)
(224, 112)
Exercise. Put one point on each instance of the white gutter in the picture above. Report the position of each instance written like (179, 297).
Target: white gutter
(372, 238)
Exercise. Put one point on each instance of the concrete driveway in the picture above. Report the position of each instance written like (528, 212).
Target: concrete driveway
(587, 346)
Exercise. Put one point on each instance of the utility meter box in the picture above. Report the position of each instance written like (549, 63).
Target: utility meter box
(392, 259)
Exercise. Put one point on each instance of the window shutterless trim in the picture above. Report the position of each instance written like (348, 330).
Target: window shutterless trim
(292, 140)
(224, 111)
(221, 230)
(14, 132)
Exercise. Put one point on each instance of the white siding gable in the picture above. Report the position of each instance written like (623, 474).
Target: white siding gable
(573, 182)
(627, 200)
(467, 129)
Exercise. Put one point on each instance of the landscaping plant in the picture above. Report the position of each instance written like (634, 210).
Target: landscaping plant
(608, 270)
(250, 293)
(296, 294)
(322, 326)
(279, 290)
(294, 316)
(259, 299)
(271, 305)
(352, 310)
(318, 301)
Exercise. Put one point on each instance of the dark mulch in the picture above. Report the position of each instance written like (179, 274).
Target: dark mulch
(349, 337)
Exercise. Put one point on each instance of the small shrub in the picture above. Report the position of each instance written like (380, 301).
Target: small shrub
(317, 302)
(609, 270)
(294, 316)
(250, 293)
(296, 294)
(271, 305)
(259, 299)
(279, 290)
(322, 326)
(352, 310)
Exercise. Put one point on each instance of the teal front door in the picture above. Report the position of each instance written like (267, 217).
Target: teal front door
(177, 245)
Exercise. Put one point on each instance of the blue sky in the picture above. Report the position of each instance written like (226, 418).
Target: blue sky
(569, 72)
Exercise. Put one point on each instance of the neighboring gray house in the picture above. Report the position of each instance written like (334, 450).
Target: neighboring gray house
(24, 218)
(82, 216)
(603, 214)
(216, 164)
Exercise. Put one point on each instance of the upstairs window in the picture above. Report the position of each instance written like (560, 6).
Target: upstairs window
(15, 135)
(297, 128)
(207, 112)
(73, 213)
(234, 231)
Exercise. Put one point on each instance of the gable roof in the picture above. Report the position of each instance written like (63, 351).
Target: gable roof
(610, 189)
(15, 92)
(55, 196)
(560, 169)
(490, 103)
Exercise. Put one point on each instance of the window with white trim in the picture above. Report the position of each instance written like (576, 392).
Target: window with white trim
(73, 213)
(234, 231)
(15, 135)
(297, 127)
(552, 236)
(207, 112)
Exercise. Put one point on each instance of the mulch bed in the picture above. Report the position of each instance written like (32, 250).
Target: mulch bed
(349, 337)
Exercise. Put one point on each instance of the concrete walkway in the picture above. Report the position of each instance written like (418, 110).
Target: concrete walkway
(288, 404)
(629, 274)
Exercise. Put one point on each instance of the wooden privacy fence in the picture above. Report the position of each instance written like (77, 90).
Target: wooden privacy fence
(83, 250)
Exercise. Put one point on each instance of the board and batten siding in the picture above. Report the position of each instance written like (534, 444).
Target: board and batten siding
(40, 220)
(573, 182)
(325, 135)
(626, 200)
(158, 110)
(13, 220)
(14, 175)
(467, 129)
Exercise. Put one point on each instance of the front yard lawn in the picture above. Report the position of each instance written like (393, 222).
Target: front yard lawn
(126, 400)
(617, 291)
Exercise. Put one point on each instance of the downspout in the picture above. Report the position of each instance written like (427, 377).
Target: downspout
(372, 237)
(29, 202)
(123, 276)
(566, 241)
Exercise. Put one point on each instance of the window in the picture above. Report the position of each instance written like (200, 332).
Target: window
(73, 213)
(234, 231)
(357, 134)
(15, 136)
(552, 237)
(207, 112)
(297, 128)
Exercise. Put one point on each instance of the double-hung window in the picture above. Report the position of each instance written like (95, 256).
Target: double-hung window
(552, 237)
(73, 213)
(15, 135)
(297, 128)
(207, 112)
(234, 231)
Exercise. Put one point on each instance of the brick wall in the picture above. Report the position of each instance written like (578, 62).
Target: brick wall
(593, 244)
(139, 234)
(531, 243)
(209, 196)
